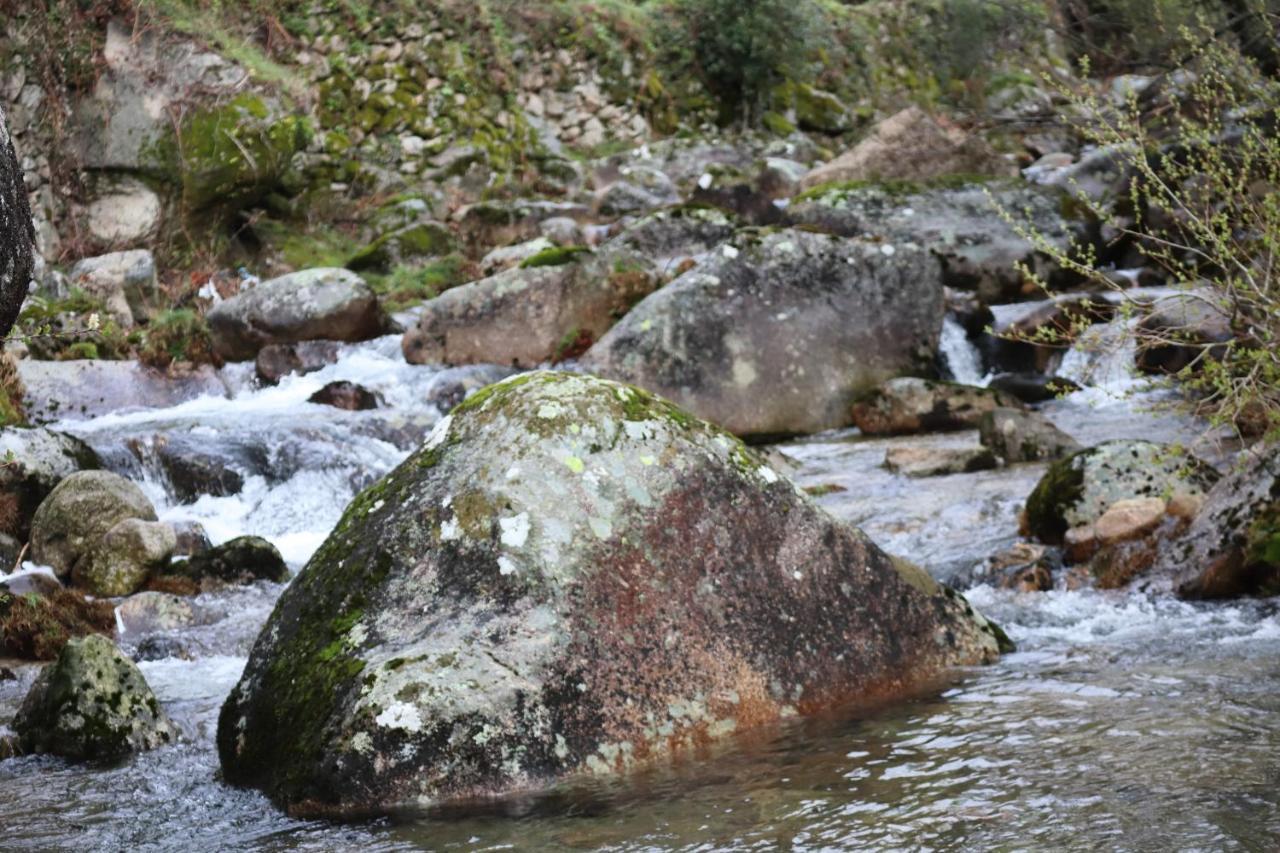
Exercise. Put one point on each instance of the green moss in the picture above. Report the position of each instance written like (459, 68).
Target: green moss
(556, 256)
(177, 335)
(777, 124)
(406, 286)
(303, 247)
(1061, 488)
(402, 246)
(824, 489)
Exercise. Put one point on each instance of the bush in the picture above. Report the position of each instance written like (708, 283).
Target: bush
(740, 49)
(177, 335)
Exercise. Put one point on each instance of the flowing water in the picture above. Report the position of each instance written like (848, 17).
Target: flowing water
(1122, 722)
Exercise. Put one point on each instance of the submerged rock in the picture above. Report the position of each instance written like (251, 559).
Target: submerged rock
(70, 525)
(1033, 387)
(1079, 489)
(314, 304)
(346, 395)
(39, 460)
(570, 575)
(781, 332)
(1232, 547)
(92, 704)
(909, 404)
(1017, 435)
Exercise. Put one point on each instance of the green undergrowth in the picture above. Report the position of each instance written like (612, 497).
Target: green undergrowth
(406, 286)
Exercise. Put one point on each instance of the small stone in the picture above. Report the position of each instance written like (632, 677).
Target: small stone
(938, 461)
(345, 395)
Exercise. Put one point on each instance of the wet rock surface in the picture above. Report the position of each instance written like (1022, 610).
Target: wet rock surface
(1017, 435)
(92, 704)
(276, 361)
(938, 461)
(1077, 490)
(83, 389)
(242, 560)
(569, 576)
(780, 333)
(345, 395)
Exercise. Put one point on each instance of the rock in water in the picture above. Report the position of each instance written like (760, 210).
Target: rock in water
(242, 560)
(570, 575)
(17, 235)
(121, 561)
(70, 525)
(93, 703)
(909, 404)
(1078, 489)
(781, 333)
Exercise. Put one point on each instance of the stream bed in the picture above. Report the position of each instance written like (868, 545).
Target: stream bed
(1124, 721)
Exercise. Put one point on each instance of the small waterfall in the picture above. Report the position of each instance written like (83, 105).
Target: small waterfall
(960, 357)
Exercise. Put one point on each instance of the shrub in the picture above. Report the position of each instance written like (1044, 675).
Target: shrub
(740, 49)
(1202, 159)
(177, 335)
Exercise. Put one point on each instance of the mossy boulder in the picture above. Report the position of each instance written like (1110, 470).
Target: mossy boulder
(242, 560)
(229, 155)
(908, 404)
(558, 299)
(780, 331)
(1232, 547)
(126, 555)
(71, 523)
(40, 459)
(92, 704)
(570, 576)
(409, 244)
(316, 304)
(820, 110)
(1077, 490)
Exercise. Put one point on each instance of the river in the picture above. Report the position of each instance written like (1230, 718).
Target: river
(1124, 721)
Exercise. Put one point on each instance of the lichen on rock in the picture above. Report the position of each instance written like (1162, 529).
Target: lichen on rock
(569, 576)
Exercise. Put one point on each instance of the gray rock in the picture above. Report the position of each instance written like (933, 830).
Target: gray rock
(781, 332)
(960, 224)
(276, 361)
(1232, 547)
(86, 388)
(126, 555)
(506, 257)
(92, 704)
(570, 575)
(563, 231)
(531, 314)
(124, 281)
(150, 612)
(486, 224)
(17, 235)
(1182, 328)
(908, 404)
(123, 211)
(41, 459)
(316, 304)
(673, 234)
(1016, 435)
(70, 524)
(1077, 490)
(938, 461)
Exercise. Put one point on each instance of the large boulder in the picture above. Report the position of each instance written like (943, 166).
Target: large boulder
(1077, 490)
(551, 307)
(781, 332)
(960, 222)
(315, 304)
(70, 525)
(911, 145)
(39, 460)
(92, 704)
(126, 555)
(17, 234)
(86, 388)
(908, 404)
(670, 235)
(1233, 545)
(570, 575)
